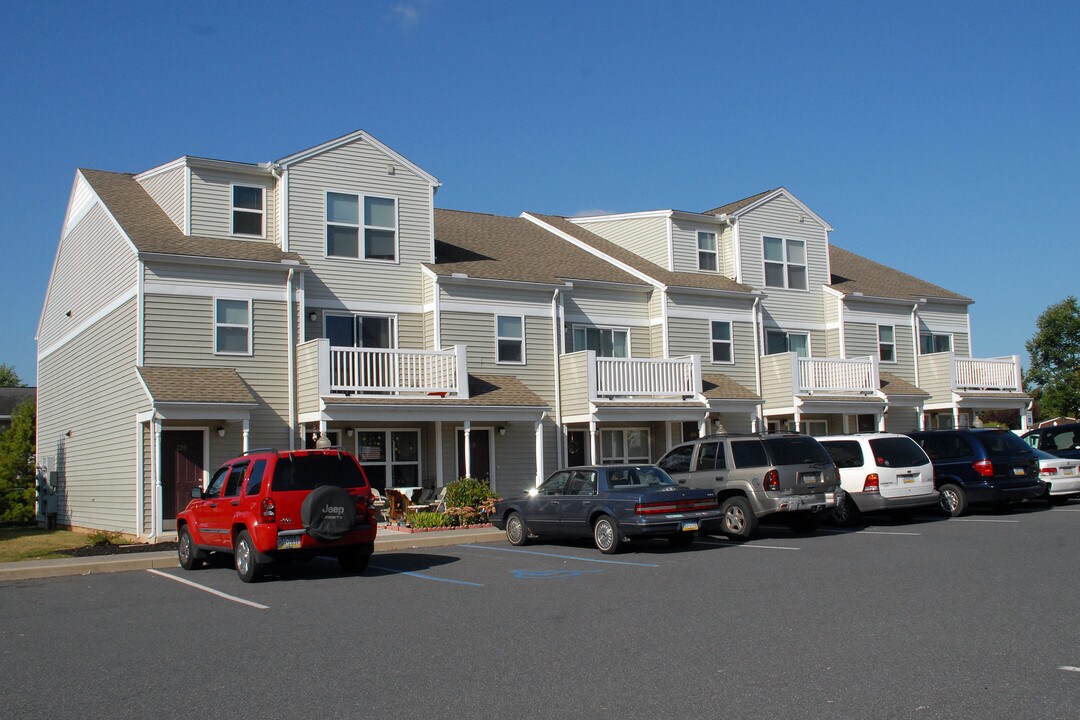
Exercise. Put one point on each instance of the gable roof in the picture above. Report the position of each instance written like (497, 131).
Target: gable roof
(495, 247)
(353, 137)
(697, 281)
(734, 207)
(747, 204)
(853, 274)
(11, 397)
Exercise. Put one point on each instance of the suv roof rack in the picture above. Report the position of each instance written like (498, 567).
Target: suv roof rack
(252, 451)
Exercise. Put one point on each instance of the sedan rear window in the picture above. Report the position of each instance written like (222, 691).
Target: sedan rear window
(898, 452)
(307, 472)
(797, 451)
(637, 479)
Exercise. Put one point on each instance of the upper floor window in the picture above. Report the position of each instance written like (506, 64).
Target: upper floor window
(778, 341)
(785, 263)
(706, 251)
(886, 335)
(721, 342)
(368, 331)
(344, 223)
(605, 342)
(232, 327)
(934, 343)
(510, 338)
(248, 210)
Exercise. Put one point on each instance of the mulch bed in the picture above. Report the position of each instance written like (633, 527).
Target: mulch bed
(94, 550)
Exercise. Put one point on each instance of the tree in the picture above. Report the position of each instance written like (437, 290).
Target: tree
(17, 468)
(1053, 377)
(8, 376)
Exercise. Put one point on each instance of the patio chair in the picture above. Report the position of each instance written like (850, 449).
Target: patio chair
(399, 505)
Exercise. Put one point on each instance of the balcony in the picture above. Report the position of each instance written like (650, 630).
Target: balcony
(944, 373)
(323, 370)
(585, 378)
(786, 375)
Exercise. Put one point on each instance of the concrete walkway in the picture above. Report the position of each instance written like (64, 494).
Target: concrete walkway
(385, 541)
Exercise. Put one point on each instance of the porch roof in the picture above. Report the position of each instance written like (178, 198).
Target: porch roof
(196, 385)
(892, 385)
(721, 387)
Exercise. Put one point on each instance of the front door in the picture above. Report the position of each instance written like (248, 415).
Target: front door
(576, 447)
(479, 451)
(181, 471)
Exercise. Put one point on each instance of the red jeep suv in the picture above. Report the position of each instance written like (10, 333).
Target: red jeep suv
(268, 505)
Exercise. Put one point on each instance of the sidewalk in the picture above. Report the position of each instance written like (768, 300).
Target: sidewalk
(385, 541)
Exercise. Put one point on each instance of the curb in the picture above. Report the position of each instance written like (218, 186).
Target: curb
(386, 542)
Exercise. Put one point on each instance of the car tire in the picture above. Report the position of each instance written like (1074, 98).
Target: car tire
(354, 560)
(802, 522)
(953, 500)
(517, 532)
(246, 558)
(738, 520)
(328, 512)
(846, 513)
(191, 557)
(606, 535)
(682, 539)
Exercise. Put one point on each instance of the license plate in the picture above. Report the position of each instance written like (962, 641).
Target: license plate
(810, 478)
(689, 526)
(909, 479)
(1068, 471)
(288, 542)
(1019, 471)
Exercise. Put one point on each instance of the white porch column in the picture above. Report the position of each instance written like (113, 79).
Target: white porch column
(468, 450)
(440, 476)
(1024, 425)
(594, 451)
(797, 420)
(702, 426)
(247, 434)
(538, 430)
(955, 416)
(155, 474)
(880, 421)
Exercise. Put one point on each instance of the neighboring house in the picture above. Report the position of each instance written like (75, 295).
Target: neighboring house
(204, 307)
(11, 398)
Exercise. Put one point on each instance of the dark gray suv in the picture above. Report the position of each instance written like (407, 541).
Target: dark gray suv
(758, 475)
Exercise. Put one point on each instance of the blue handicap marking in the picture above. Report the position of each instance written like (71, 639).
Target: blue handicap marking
(549, 574)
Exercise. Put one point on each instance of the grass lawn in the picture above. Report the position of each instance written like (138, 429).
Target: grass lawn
(29, 543)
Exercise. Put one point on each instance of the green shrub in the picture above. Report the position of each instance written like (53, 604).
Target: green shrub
(429, 519)
(468, 492)
(103, 537)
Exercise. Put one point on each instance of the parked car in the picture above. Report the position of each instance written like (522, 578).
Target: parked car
(269, 505)
(610, 503)
(754, 476)
(980, 465)
(1061, 440)
(1061, 475)
(880, 472)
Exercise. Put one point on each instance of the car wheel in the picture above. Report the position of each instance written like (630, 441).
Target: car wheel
(516, 530)
(606, 535)
(738, 520)
(846, 513)
(953, 500)
(191, 557)
(355, 559)
(245, 558)
(682, 539)
(803, 523)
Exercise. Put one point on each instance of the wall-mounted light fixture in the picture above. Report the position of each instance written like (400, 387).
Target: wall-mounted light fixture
(313, 316)
(221, 431)
(502, 430)
(348, 432)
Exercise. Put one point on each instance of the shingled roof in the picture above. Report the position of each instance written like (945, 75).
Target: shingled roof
(197, 385)
(853, 273)
(738, 204)
(151, 230)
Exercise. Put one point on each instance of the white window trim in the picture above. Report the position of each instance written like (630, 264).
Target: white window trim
(361, 227)
(820, 424)
(249, 326)
(499, 337)
(715, 252)
(786, 263)
(731, 343)
(893, 344)
(612, 328)
(625, 458)
(392, 317)
(788, 334)
(388, 462)
(233, 209)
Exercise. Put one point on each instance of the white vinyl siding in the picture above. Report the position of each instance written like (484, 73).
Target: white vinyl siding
(168, 189)
(647, 236)
(212, 204)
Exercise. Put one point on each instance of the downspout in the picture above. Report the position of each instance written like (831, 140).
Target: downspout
(915, 340)
(664, 322)
(757, 362)
(843, 327)
(290, 322)
(556, 325)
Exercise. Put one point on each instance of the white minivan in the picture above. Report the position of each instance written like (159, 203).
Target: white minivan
(880, 472)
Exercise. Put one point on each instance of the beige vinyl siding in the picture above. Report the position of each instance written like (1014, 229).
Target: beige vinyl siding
(901, 419)
(948, 319)
(168, 190)
(780, 218)
(648, 236)
(831, 311)
(776, 381)
(685, 247)
(409, 326)
(211, 204)
(935, 376)
(89, 388)
(429, 290)
(214, 280)
(656, 327)
(862, 339)
(515, 457)
(737, 422)
(180, 333)
(728, 266)
(360, 168)
(607, 308)
(307, 378)
(147, 485)
(694, 336)
(95, 265)
(574, 379)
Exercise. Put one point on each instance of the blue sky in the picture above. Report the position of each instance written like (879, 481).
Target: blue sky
(937, 137)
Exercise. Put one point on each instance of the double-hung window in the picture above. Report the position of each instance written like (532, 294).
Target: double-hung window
(785, 263)
(886, 343)
(351, 218)
(232, 327)
(510, 338)
(605, 342)
(630, 445)
(706, 251)
(778, 341)
(721, 342)
(248, 210)
(934, 343)
(390, 458)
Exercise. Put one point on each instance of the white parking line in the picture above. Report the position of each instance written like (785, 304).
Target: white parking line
(554, 555)
(867, 532)
(212, 591)
(732, 543)
(423, 576)
(1069, 668)
(986, 520)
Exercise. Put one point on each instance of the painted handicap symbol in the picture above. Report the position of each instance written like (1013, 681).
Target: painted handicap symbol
(549, 574)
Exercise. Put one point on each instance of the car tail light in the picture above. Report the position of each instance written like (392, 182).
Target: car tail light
(1049, 471)
(364, 506)
(267, 509)
(871, 484)
(660, 508)
(771, 481)
(984, 468)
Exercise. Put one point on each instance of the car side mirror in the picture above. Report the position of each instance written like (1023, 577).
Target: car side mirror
(197, 492)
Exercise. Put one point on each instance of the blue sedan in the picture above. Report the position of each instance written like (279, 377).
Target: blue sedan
(611, 504)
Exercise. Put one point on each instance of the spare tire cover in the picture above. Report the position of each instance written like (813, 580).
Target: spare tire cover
(328, 513)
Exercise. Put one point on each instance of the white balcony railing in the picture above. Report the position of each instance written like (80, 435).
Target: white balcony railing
(1002, 373)
(349, 370)
(644, 377)
(834, 375)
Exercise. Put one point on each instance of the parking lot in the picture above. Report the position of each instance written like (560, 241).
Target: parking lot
(971, 617)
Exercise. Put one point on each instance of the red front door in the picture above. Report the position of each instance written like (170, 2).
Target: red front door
(181, 469)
